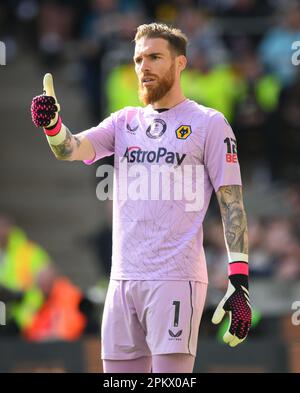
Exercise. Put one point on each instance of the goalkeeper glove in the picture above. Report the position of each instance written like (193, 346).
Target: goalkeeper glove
(236, 303)
(44, 108)
(44, 113)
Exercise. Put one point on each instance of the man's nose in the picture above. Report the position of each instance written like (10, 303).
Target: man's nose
(145, 65)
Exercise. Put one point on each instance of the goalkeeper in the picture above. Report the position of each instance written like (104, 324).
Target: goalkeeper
(158, 280)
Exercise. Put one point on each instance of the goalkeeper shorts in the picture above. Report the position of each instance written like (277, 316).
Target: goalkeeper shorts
(144, 318)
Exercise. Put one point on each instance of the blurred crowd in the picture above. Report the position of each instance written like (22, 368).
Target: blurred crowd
(239, 62)
(40, 303)
(274, 244)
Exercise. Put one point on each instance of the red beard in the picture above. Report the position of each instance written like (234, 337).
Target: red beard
(151, 94)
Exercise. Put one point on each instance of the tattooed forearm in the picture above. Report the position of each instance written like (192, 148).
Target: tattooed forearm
(234, 218)
(64, 150)
(77, 139)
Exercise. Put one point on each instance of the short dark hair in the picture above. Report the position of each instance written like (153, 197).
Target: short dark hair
(175, 37)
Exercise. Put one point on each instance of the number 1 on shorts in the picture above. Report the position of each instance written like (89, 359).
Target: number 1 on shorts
(176, 316)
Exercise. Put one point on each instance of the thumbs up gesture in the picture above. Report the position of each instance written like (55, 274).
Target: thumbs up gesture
(44, 108)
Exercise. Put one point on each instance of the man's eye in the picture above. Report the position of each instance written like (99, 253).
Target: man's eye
(137, 61)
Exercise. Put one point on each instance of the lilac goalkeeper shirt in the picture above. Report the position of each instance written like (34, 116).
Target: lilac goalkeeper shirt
(156, 235)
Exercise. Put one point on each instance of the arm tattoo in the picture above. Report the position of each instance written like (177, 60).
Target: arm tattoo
(66, 148)
(234, 218)
(78, 142)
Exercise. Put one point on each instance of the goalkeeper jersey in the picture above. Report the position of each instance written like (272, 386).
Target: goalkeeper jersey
(167, 163)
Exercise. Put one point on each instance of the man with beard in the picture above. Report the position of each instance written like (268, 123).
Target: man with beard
(158, 277)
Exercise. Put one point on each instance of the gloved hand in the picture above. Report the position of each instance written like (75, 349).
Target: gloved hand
(236, 303)
(44, 108)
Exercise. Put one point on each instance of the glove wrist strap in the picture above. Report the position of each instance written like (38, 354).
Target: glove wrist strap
(53, 131)
(56, 135)
(238, 268)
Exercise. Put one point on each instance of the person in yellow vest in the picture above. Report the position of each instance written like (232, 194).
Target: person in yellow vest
(26, 274)
(216, 86)
(121, 88)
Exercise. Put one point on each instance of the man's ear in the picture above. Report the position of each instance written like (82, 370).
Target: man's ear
(182, 62)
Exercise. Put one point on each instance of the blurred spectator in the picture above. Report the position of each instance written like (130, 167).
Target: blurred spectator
(166, 11)
(284, 140)
(55, 27)
(106, 42)
(274, 249)
(214, 86)
(27, 16)
(40, 304)
(281, 243)
(276, 47)
(255, 107)
(97, 33)
(261, 264)
(246, 8)
(26, 274)
(130, 5)
(292, 195)
(203, 35)
(8, 23)
(244, 19)
(121, 88)
(60, 317)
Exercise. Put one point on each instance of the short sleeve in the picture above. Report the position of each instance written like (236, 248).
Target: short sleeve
(102, 137)
(220, 153)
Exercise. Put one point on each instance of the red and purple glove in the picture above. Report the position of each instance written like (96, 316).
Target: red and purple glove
(237, 304)
(44, 108)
